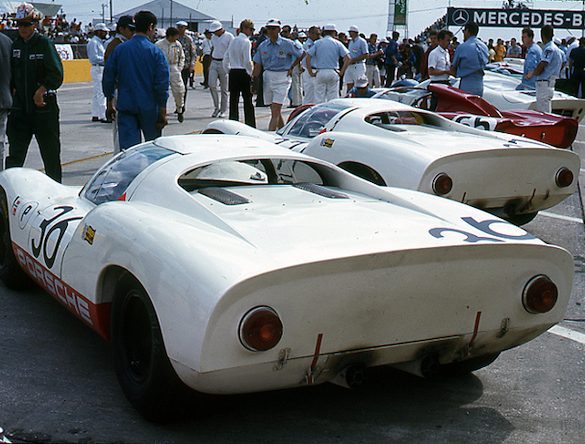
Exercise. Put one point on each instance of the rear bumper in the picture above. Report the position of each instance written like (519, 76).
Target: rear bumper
(300, 371)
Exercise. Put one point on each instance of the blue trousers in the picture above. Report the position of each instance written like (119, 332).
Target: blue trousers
(131, 125)
(472, 85)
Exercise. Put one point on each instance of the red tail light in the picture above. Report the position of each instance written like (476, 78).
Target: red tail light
(540, 294)
(564, 177)
(442, 184)
(260, 329)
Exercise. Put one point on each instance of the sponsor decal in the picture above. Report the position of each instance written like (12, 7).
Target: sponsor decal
(485, 226)
(36, 56)
(516, 18)
(15, 205)
(94, 315)
(88, 234)
(16, 53)
(327, 143)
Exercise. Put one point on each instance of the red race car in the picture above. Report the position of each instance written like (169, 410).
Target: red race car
(475, 112)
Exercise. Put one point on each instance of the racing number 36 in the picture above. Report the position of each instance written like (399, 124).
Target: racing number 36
(47, 228)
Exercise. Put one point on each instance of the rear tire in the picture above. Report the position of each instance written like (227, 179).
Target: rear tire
(11, 273)
(463, 368)
(212, 131)
(521, 219)
(364, 172)
(142, 365)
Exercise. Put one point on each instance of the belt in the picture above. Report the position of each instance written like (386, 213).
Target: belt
(217, 60)
(96, 64)
(543, 80)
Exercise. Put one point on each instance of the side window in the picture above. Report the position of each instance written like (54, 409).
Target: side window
(294, 171)
(113, 179)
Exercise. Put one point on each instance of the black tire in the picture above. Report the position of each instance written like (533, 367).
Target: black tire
(463, 368)
(364, 172)
(142, 366)
(212, 131)
(11, 274)
(521, 219)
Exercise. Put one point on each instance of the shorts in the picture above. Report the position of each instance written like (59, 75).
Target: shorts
(276, 86)
(354, 72)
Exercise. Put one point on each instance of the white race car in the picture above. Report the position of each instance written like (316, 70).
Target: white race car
(231, 265)
(393, 144)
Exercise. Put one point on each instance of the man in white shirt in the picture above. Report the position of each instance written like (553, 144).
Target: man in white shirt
(220, 41)
(308, 80)
(205, 58)
(238, 61)
(95, 54)
(439, 58)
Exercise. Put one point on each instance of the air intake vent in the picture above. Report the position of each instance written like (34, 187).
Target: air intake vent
(224, 196)
(320, 190)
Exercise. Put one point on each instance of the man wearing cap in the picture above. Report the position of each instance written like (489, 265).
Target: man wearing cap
(140, 72)
(220, 41)
(37, 73)
(361, 89)
(470, 60)
(308, 80)
(95, 54)
(358, 52)
(205, 58)
(547, 71)
(277, 56)
(238, 62)
(173, 51)
(323, 64)
(124, 31)
(190, 56)
(5, 90)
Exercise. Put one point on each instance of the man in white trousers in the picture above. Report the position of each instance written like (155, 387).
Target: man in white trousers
(323, 64)
(309, 81)
(95, 54)
(220, 41)
(173, 51)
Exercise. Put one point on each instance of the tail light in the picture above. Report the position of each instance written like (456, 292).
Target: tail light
(442, 184)
(564, 177)
(260, 329)
(540, 294)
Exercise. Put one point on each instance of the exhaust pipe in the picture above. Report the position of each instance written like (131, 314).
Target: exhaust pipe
(351, 377)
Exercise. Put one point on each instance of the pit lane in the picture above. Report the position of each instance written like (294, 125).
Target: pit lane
(57, 382)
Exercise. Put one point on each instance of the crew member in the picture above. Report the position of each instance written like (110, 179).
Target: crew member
(309, 81)
(220, 41)
(470, 60)
(577, 65)
(205, 58)
(547, 71)
(391, 58)
(358, 52)
(361, 89)
(37, 73)
(277, 56)
(190, 52)
(95, 54)
(238, 61)
(323, 64)
(5, 92)
(173, 51)
(533, 56)
(439, 62)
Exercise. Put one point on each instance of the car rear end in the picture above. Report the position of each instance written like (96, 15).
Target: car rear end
(508, 181)
(310, 323)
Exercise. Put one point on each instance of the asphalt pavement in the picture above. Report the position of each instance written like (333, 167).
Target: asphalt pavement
(57, 383)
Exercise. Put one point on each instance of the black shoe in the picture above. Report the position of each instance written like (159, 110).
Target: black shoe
(180, 117)
(203, 83)
(95, 119)
(105, 120)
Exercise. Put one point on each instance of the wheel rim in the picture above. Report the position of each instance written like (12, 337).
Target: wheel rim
(136, 338)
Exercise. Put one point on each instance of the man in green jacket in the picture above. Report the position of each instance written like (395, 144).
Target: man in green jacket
(37, 72)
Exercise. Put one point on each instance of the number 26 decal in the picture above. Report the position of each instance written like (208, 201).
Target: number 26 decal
(486, 226)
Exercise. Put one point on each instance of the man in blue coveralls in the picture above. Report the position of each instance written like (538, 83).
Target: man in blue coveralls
(140, 71)
(469, 62)
(533, 56)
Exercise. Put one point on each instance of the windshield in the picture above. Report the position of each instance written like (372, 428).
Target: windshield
(397, 120)
(312, 121)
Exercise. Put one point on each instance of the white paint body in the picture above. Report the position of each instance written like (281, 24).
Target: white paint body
(501, 173)
(365, 271)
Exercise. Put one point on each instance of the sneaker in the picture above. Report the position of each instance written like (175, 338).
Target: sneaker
(180, 117)
(215, 113)
(221, 115)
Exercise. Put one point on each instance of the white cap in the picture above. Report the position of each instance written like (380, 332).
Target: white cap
(274, 22)
(557, 41)
(353, 28)
(215, 26)
(182, 23)
(329, 27)
(100, 27)
(302, 35)
(361, 82)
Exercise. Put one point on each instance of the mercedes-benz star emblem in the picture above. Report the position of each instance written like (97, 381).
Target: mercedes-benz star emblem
(460, 17)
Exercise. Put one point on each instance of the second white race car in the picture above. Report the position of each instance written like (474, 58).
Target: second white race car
(393, 144)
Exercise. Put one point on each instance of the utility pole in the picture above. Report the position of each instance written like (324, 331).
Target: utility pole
(111, 13)
(104, 6)
(171, 18)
